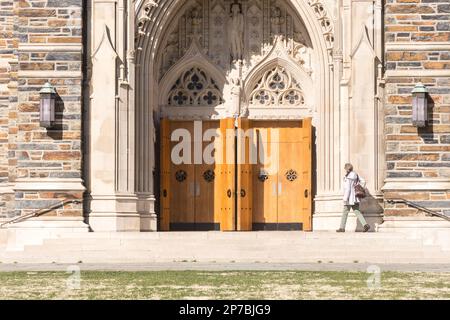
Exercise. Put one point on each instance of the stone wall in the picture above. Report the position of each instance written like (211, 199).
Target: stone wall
(417, 38)
(8, 102)
(44, 166)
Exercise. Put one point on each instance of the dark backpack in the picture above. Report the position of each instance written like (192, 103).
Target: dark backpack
(360, 192)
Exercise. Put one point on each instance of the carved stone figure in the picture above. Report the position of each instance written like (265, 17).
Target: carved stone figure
(196, 21)
(236, 32)
(170, 52)
(235, 99)
(277, 20)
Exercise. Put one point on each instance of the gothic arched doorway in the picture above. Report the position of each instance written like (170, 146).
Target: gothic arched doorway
(270, 72)
(254, 83)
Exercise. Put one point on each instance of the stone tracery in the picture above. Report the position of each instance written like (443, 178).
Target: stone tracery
(277, 87)
(264, 20)
(195, 88)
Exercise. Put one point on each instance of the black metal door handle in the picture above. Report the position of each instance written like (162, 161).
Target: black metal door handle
(306, 193)
(229, 194)
(165, 193)
(243, 193)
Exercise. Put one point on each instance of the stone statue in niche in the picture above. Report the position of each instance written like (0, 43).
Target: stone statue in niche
(277, 20)
(171, 51)
(196, 23)
(234, 91)
(236, 32)
(235, 96)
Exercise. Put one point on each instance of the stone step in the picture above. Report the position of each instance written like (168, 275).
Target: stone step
(348, 244)
(234, 235)
(293, 247)
(138, 257)
(197, 245)
(223, 250)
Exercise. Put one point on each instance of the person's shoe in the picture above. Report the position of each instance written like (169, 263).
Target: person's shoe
(366, 228)
(340, 230)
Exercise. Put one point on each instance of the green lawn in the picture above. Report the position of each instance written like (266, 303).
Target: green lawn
(223, 285)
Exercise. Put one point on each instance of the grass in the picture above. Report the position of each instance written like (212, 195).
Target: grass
(223, 285)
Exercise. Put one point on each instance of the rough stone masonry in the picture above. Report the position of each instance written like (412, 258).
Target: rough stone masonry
(42, 40)
(416, 32)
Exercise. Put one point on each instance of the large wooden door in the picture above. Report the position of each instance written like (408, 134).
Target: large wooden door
(282, 179)
(236, 191)
(187, 182)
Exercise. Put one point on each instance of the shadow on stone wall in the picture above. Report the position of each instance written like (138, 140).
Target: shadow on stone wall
(372, 210)
(427, 132)
(56, 132)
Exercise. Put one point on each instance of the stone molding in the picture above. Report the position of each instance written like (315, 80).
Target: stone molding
(49, 184)
(417, 46)
(417, 73)
(38, 47)
(50, 74)
(411, 184)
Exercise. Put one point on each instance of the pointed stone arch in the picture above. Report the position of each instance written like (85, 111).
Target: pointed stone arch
(279, 56)
(194, 58)
(151, 24)
(139, 31)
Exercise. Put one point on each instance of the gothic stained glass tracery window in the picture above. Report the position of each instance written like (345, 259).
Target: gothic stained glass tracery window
(277, 87)
(195, 88)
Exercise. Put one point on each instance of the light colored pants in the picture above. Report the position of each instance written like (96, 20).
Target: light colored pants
(357, 213)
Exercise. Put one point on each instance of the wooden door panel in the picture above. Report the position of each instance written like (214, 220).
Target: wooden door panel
(182, 186)
(265, 179)
(290, 185)
(205, 174)
(307, 174)
(245, 175)
(281, 202)
(224, 187)
(294, 199)
(165, 173)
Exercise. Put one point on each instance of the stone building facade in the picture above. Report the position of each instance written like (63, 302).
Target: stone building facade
(110, 60)
(417, 45)
(41, 41)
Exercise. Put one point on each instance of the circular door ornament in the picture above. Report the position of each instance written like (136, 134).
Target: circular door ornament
(263, 176)
(181, 175)
(291, 175)
(209, 175)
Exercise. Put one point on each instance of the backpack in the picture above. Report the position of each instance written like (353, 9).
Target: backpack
(360, 192)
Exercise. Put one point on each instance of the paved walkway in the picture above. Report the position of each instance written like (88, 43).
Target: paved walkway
(177, 266)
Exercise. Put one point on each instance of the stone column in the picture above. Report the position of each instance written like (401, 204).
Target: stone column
(113, 205)
(355, 123)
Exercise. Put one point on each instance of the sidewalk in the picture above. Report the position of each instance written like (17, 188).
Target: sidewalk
(179, 266)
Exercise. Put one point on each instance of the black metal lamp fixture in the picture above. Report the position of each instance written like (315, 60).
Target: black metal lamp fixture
(47, 108)
(420, 105)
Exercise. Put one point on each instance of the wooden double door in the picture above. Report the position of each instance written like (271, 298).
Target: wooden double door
(235, 175)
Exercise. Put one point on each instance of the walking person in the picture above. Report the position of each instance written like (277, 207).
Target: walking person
(351, 201)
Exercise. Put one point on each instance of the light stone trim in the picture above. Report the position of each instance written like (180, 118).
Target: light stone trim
(417, 73)
(6, 188)
(49, 184)
(51, 74)
(411, 184)
(417, 46)
(66, 47)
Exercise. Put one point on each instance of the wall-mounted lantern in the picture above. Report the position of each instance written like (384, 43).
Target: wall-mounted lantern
(47, 108)
(420, 105)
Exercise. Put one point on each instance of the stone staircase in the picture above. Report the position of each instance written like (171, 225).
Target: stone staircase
(244, 247)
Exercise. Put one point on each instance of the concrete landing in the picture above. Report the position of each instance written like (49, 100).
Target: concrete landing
(235, 247)
(193, 266)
